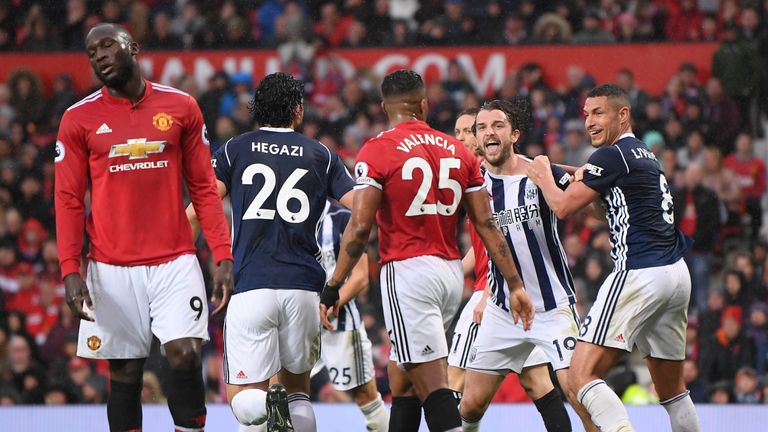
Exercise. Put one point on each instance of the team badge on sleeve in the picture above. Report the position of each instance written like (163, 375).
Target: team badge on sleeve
(162, 121)
(205, 136)
(361, 169)
(60, 152)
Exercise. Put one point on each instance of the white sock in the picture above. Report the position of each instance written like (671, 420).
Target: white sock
(469, 426)
(606, 409)
(302, 416)
(376, 415)
(250, 407)
(253, 428)
(682, 413)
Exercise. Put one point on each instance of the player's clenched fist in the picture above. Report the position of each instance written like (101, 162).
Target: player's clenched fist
(329, 303)
(539, 169)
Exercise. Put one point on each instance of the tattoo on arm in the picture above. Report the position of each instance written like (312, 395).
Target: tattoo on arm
(355, 249)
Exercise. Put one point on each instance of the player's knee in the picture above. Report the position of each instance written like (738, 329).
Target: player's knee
(472, 407)
(183, 354)
(126, 371)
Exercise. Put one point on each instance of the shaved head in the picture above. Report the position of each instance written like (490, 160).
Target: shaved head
(404, 95)
(112, 53)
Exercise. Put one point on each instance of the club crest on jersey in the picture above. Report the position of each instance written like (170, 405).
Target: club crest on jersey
(94, 343)
(60, 152)
(162, 121)
(531, 192)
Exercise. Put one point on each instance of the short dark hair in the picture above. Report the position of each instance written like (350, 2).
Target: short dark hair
(401, 82)
(612, 92)
(468, 111)
(517, 109)
(276, 98)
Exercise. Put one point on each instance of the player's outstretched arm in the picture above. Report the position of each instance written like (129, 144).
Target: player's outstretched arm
(479, 211)
(355, 284)
(564, 203)
(367, 201)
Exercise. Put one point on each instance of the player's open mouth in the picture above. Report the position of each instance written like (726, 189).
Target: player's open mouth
(491, 147)
(594, 132)
(106, 69)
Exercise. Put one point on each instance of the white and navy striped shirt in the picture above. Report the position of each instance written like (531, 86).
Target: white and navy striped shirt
(329, 238)
(530, 228)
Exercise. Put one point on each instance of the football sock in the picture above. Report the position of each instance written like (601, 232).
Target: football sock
(376, 415)
(250, 407)
(186, 398)
(457, 396)
(124, 406)
(552, 410)
(605, 408)
(253, 428)
(302, 415)
(441, 412)
(405, 415)
(470, 426)
(682, 413)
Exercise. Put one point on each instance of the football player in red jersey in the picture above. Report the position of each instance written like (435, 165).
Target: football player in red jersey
(411, 179)
(134, 142)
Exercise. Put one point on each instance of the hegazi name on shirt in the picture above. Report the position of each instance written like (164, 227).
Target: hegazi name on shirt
(419, 139)
(278, 149)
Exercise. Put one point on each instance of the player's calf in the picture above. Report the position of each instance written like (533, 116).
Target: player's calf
(186, 394)
(124, 401)
(372, 406)
(441, 412)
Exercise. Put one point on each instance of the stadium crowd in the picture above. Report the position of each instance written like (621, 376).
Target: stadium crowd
(704, 133)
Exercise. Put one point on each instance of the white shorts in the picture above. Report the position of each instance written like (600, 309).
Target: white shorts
(130, 304)
(420, 297)
(647, 308)
(270, 329)
(347, 355)
(464, 333)
(502, 345)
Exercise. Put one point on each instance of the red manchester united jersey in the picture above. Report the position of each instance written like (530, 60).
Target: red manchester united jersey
(423, 175)
(481, 259)
(135, 157)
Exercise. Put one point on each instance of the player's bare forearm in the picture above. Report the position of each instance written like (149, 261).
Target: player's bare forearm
(479, 211)
(468, 263)
(355, 238)
(357, 281)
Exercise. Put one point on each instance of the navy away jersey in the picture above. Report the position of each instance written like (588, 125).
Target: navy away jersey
(638, 205)
(278, 181)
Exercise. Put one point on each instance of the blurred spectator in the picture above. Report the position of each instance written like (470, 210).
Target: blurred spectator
(697, 214)
(28, 378)
(697, 388)
(745, 389)
(684, 23)
(693, 152)
(638, 99)
(751, 177)
(27, 98)
(722, 182)
(87, 385)
(577, 149)
(655, 142)
(735, 292)
(161, 37)
(735, 64)
(651, 119)
(728, 351)
(591, 32)
(551, 28)
(151, 392)
(757, 331)
(721, 393)
(514, 32)
(709, 319)
(721, 114)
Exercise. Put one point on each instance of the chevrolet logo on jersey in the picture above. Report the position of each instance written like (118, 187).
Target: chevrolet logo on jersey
(137, 148)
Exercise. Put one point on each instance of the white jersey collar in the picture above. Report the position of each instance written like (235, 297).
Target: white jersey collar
(274, 129)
